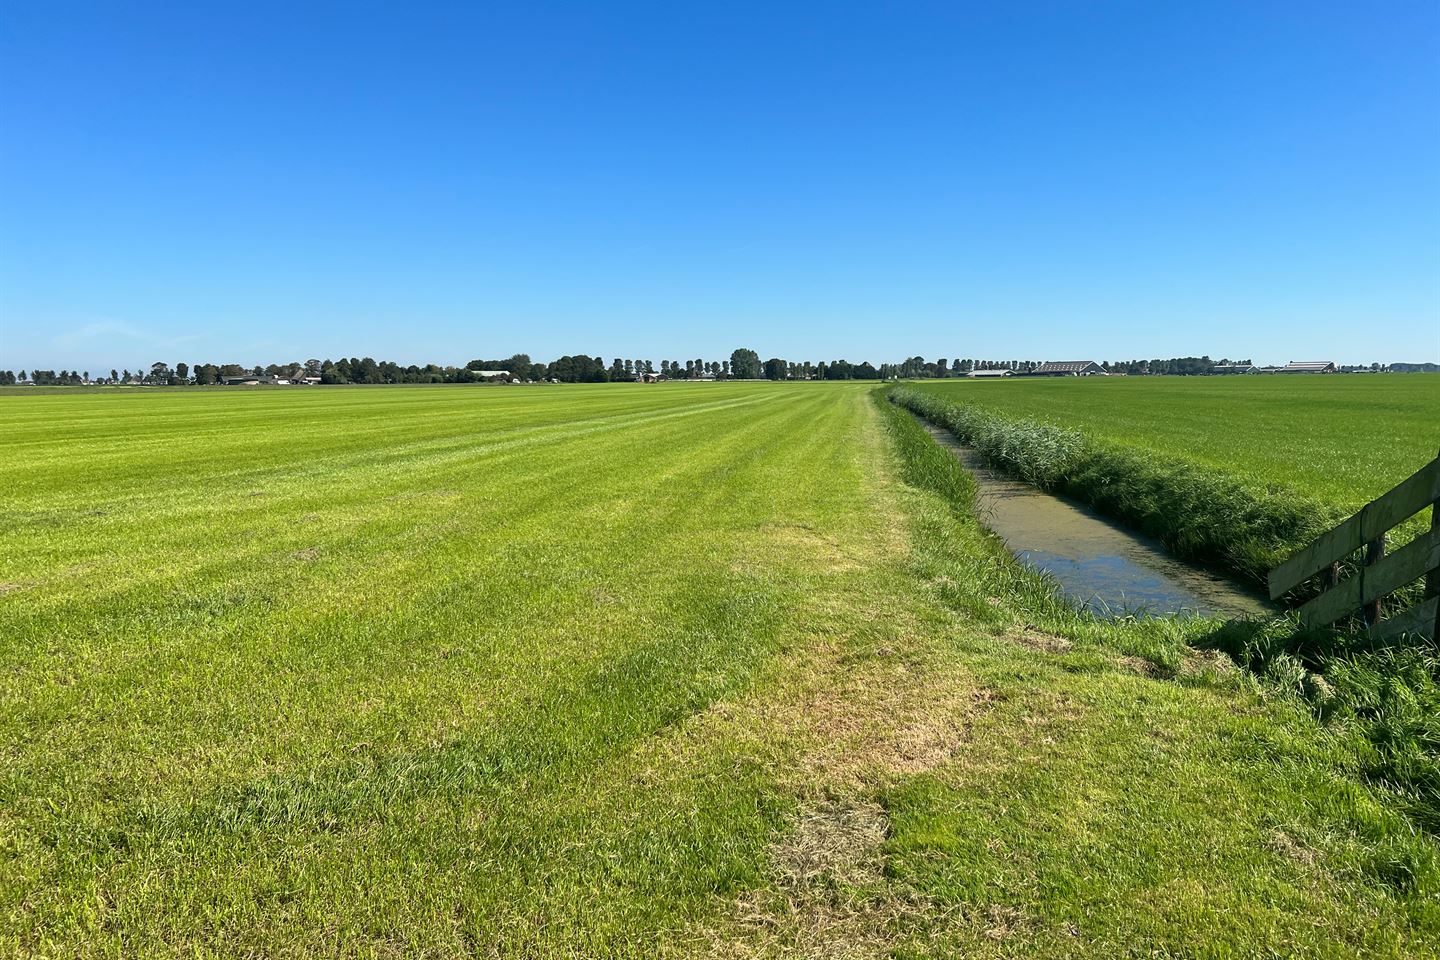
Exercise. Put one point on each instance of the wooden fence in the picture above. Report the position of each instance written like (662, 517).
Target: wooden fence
(1380, 574)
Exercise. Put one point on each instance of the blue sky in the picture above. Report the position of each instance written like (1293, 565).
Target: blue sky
(264, 182)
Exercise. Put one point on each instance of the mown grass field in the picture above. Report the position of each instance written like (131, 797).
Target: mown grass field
(721, 669)
(1341, 439)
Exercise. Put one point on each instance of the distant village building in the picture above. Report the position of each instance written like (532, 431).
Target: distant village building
(650, 377)
(1069, 368)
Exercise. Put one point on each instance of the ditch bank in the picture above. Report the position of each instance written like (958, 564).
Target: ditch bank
(1196, 514)
(1104, 568)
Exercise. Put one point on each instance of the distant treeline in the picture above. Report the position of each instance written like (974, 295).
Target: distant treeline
(744, 364)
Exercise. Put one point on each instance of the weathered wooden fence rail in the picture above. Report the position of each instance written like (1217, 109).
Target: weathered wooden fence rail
(1380, 574)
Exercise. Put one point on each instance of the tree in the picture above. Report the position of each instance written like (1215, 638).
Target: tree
(745, 364)
(775, 369)
(182, 371)
(578, 369)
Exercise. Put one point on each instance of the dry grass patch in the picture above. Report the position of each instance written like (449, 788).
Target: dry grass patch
(834, 843)
(1141, 666)
(828, 896)
(1287, 845)
(818, 549)
(1037, 639)
(1196, 663)
(803, 924)
(854, 722)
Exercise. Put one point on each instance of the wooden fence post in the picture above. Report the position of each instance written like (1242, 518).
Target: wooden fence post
(1432, 579)
(1374, 553)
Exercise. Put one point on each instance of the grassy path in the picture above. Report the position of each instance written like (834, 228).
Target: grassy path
(614, 671)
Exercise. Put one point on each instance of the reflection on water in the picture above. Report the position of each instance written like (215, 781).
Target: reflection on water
(1096, 562)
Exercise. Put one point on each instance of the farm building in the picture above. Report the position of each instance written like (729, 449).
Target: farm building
(1305, 366)
(252, 380)
(1223, 368)
(1069, 368)
(492, 374)
(987, 374)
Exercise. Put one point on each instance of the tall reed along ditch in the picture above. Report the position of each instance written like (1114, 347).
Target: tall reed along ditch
(1198, 515)
(1105, 568)
(1389, 695)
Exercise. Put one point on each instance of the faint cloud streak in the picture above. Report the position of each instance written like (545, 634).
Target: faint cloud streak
(116, 330)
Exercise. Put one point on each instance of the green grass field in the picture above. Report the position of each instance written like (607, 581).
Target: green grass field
(692, 669)
(1339, 439)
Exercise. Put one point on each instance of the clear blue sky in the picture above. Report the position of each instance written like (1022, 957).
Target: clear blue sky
(261, 182)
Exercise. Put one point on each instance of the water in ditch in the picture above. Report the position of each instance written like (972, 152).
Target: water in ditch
(1097, 563)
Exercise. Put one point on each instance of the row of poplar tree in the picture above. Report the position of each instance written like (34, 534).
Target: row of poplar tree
(744, 364)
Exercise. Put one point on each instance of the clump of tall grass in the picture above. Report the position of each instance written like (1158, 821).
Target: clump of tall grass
(1394, 696)
(1198, 514)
